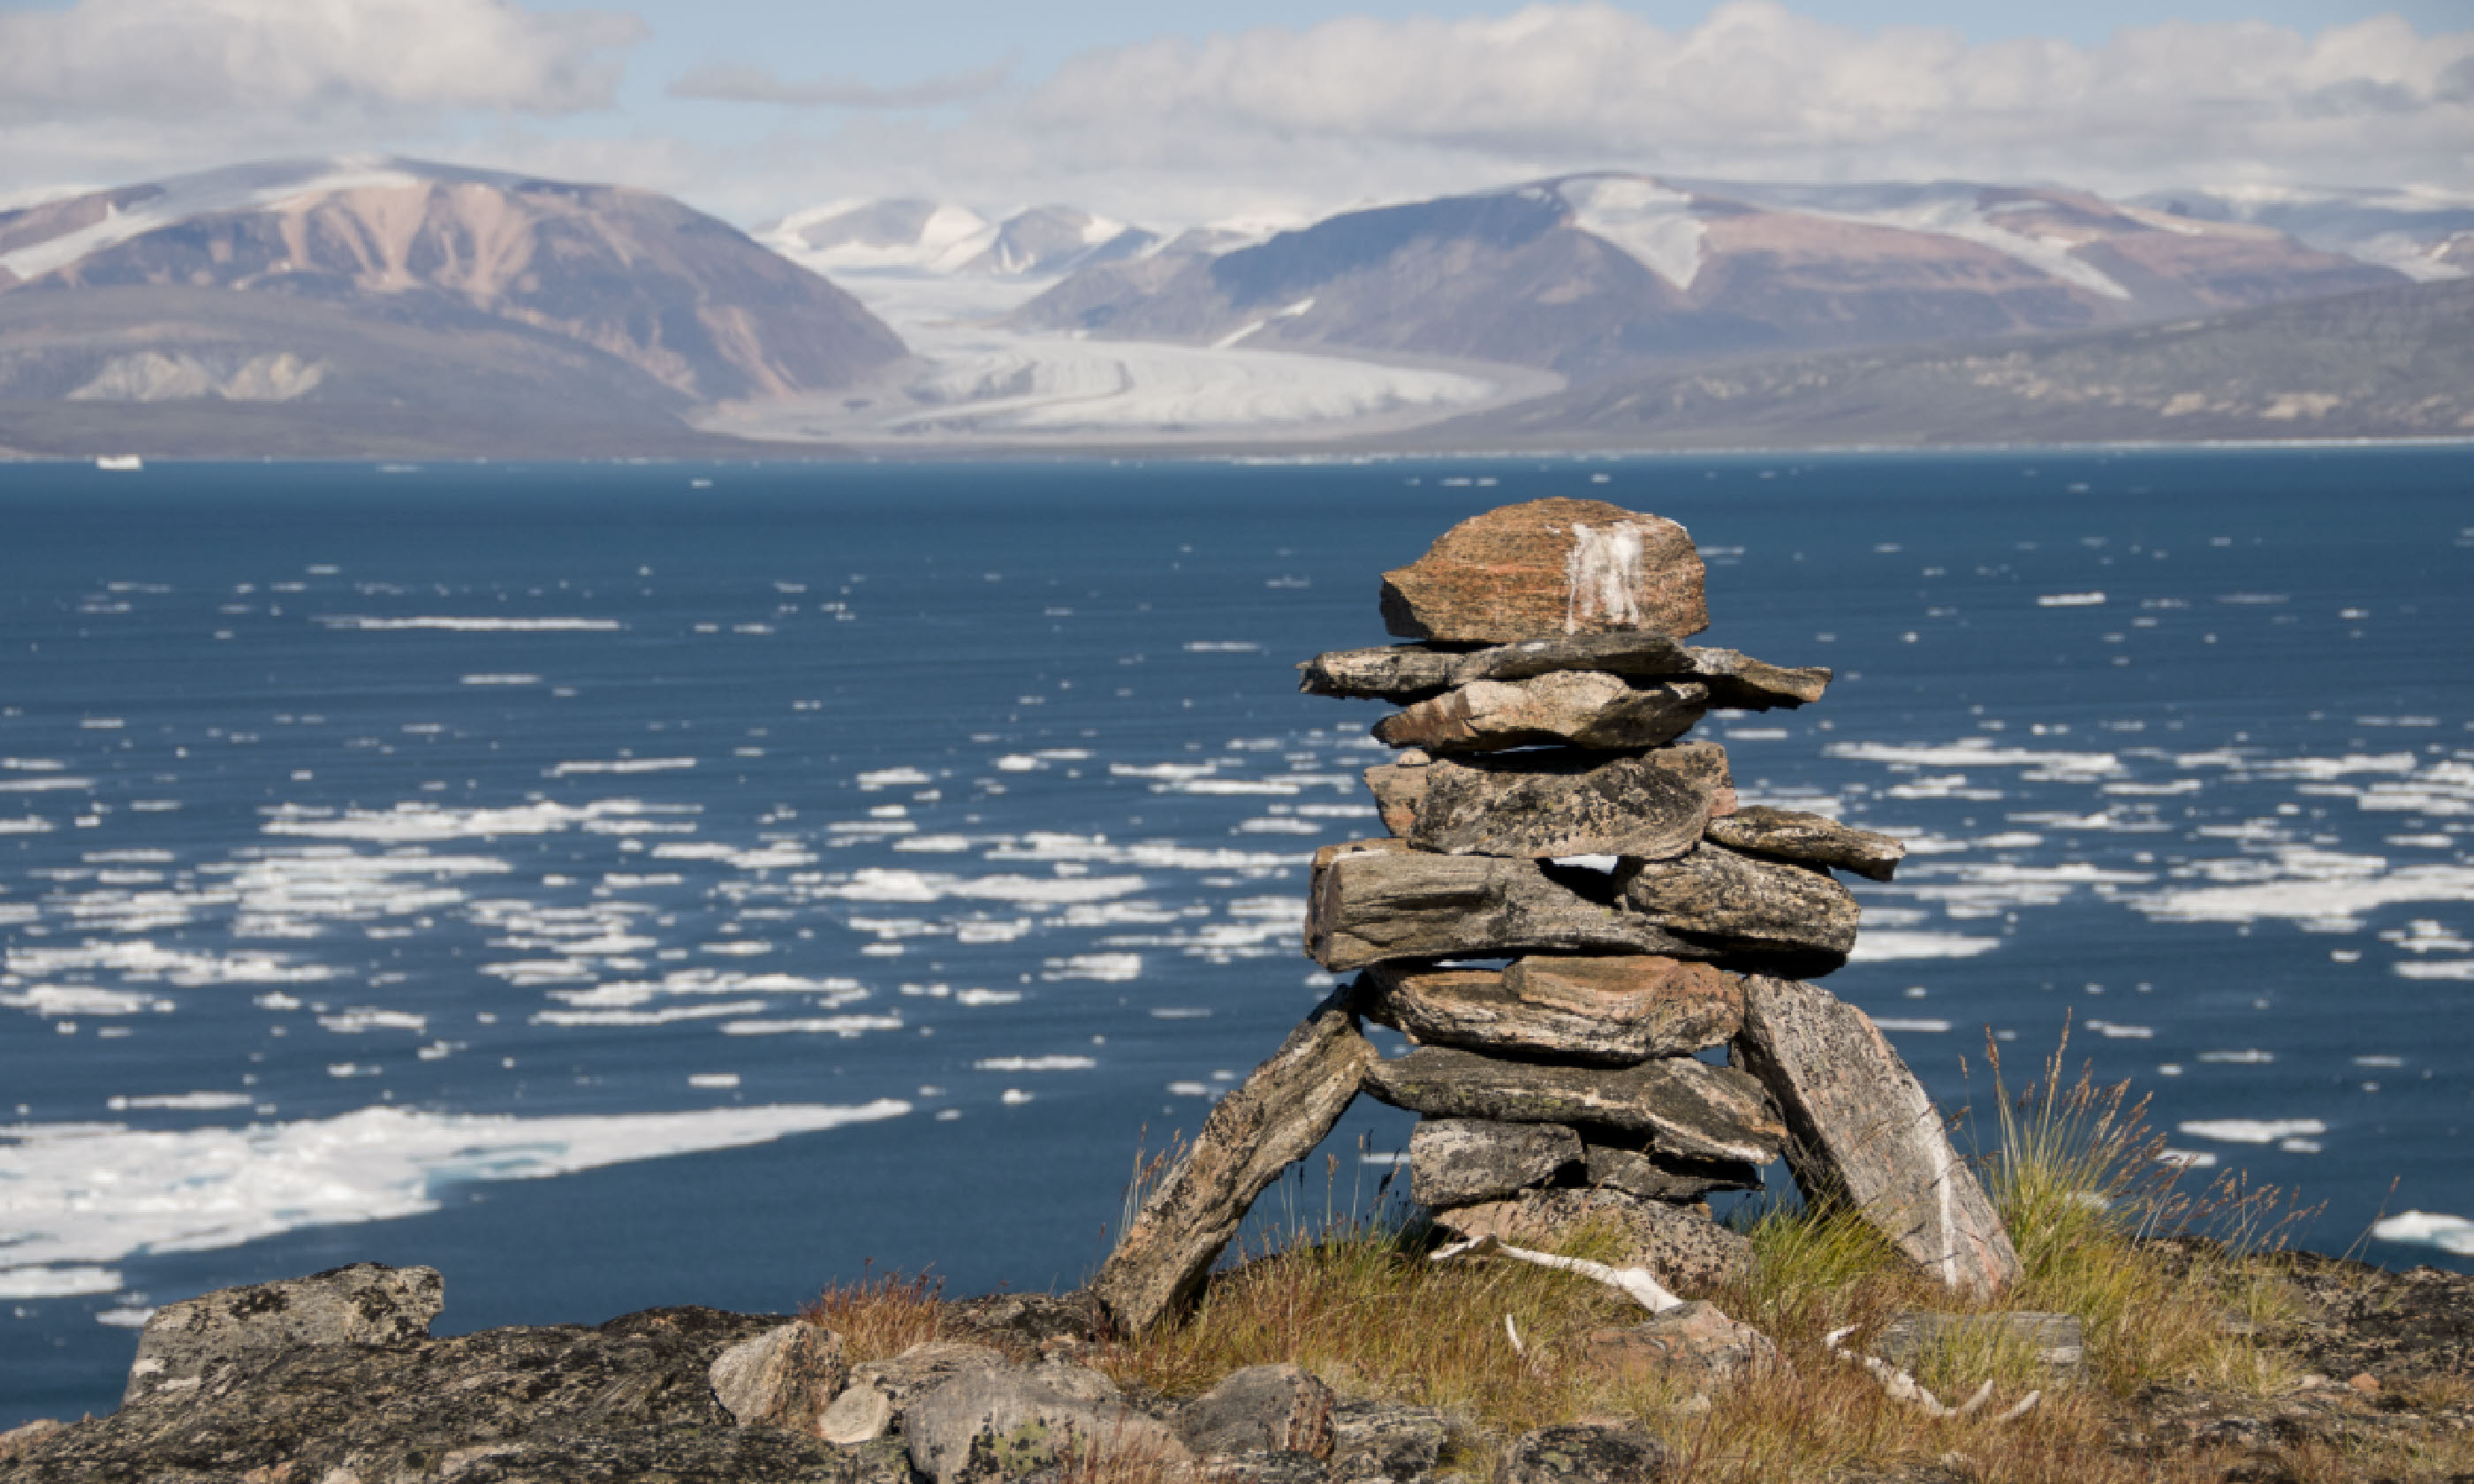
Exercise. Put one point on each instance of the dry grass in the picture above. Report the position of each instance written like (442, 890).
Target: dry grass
(881, 1316)
(2076, 1177)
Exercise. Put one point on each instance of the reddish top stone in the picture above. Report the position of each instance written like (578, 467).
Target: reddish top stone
(1547, 568)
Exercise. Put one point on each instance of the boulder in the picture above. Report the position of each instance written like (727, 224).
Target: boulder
(1636, 1166)
(1374, 899)
(1581, 708)
(1398, 787)
(1867, 1134)
(1682, 1247)
(780, 1378)
(1385, 1442)
(1813, 839)
(1690, 1108)
(363, 1305)
(1587, 1456)
(1273, 1119)
(1544, 805)
(2058, 1341)
(1739, 683)
(1596, 1009)
(1547, 568)
(1259, 1409)
(1750, 906)
(1695, 1348)
(991, 1423)
(1460, 1162)
(878, 1391)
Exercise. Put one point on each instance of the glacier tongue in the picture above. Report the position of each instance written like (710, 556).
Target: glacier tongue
(1649, 222)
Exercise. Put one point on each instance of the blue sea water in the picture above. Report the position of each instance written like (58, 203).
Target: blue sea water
(648, 884)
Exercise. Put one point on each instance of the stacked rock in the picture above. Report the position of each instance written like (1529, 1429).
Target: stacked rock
(1570, 905)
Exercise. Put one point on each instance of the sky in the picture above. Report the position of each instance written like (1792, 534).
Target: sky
(1176, 112)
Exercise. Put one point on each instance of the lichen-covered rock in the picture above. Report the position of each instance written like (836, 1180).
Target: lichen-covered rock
(1581, 708)
(1259, 1409)
(1633, 1164)
(1596, 1010)
(1694, 1348)
(871, 1403)
(780, 1378)
(1813, 839)
(1587, 1456)
(364, 1305)
(1688, 1107)
(1739, 683)
(1386, 1443)
(1752, 906)
(1683, 1246)
(1867, 1134)
(1548, 568)
(994, 1424)
(1370, 901)
(1545, 805)
(1460, 1162)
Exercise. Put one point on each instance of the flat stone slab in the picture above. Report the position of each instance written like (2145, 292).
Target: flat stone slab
(1636, 1166)
(1811, 839)
(1458, 1162)
(1739, 683)
(1375, 899)
(1412, 672)
(1688, 1107)
(1682, 1246)
(2058, 1341)
(1868, 1135)
(1592, 1010)
(1273, 1119)
(1754, 906)
(1546, 568)
(1540, 805)
(1578, 706)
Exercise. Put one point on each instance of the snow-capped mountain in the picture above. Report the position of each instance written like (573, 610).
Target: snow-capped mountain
(1587, 274)
(2425, 236)
(932, 237)
(331, 281)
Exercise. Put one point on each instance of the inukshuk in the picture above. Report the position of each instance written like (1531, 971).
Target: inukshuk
(1571, 904)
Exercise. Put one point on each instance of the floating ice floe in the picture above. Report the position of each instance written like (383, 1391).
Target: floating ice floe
(1877, 946)
(476, 624)
(1034, 1064)
(2427, 1228)
(2251, 1130)
(1107, 968)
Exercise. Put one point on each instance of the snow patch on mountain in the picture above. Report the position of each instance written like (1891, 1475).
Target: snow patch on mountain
(1648, 220)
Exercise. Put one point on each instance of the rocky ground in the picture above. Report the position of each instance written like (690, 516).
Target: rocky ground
(334, 1381)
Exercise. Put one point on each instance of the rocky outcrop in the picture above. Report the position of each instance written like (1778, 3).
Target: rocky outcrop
(189, 1344)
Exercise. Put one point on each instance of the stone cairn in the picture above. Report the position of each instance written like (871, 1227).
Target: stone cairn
(1548, 814)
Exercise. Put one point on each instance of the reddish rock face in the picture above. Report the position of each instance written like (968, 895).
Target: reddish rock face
(1548, 568)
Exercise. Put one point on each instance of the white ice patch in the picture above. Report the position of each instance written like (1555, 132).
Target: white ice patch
(1034, 1064)
(2251, 1130)
(1884, 948)
(1651, 224)
(474, 625)
(1107, 968)
(2427, 1228)
(423, 822)
(1961, 216)
(1601, 573)
(1981, 753)
(57, 1283)
(90, 1194)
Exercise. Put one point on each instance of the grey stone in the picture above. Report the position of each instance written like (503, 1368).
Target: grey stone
(1545, 805)
(365, 1304)
(2058, 1341)
(780, 1378)
(1395, 672)
(1693, 1348)
(1582, 708)
(1682, 1247)
(1750, 906)
(1273, 1119)
(1374, 899)
(993, 1423)
(1260, 1466)
(1549, 567)
(1634, 1166)
(1689, 1106)
(872, 1401)
(1596, 1009)
(1813, 839)
(1412, 672)
(1867, 1134)
(1386, 1443)
(1587, 1456)
(1458, 1162)
(1260, 1409)
(1739, 683)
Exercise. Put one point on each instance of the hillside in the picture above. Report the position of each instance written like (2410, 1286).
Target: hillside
(354, 305)
(1597, 275)
(2389, 363)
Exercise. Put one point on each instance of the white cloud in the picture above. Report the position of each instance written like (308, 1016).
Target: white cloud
(225, 64)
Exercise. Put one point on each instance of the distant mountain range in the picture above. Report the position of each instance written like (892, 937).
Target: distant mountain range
(384, 307)
(390, 307)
